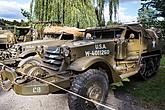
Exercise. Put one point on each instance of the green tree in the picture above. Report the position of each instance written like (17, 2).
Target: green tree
(68, 12)
(147, 17)
(25, 14)
(83, 13)
(150, 13)
(113, 7)
(31, 10)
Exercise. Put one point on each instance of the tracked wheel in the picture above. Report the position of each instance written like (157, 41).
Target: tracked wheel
(149, 67)
(92, 84)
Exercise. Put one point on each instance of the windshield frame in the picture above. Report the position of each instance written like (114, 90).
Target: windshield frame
(88, 33)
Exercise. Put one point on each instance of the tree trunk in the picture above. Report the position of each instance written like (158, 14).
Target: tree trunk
(63, 13)
(43, 2)
(46, 12)
(58, 12)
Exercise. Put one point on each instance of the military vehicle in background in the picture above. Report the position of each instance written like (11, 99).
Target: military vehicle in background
(13, 35)
(23, 34)
(7, 39)
(106, 55)
(51, 36)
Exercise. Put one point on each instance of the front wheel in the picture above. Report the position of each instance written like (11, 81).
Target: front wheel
(92, 84)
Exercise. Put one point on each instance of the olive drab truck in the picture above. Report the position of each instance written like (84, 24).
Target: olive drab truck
(11, 36)
(18, 53)
(23, 34)
(87, 67)
(7, 39)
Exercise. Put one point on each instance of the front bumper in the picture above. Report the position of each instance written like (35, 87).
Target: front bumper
(38, 88)
(33, 86)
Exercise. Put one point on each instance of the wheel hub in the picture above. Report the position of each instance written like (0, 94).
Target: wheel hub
(95, 93)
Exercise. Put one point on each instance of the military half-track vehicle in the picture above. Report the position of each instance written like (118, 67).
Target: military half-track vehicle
(13, 35)
(14, 56)
(106, 55)
(7, 39)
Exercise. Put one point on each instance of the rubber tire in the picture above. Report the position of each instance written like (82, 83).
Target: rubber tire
(80, 84)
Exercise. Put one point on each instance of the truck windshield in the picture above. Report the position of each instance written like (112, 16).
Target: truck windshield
(104, 34)
(51, 36)
(59, 36)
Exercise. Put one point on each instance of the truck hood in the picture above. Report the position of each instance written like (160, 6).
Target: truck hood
(2, 36)
(45, 43)
(81, 43)
(74, 44)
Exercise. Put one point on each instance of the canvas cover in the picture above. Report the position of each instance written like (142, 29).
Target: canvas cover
(136, 27)
(59, 29)
(146, 32)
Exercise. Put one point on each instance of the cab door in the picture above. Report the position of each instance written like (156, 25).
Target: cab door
(133, 43)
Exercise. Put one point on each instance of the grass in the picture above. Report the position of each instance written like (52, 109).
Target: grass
(151, 92)
(162, 63)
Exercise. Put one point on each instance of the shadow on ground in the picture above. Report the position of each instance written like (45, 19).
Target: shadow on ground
(121, 99)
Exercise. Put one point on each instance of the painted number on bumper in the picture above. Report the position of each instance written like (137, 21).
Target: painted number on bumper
(36, 89)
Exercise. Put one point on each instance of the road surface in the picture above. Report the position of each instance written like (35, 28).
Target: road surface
(11, 101)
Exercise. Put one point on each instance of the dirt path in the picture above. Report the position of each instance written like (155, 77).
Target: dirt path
(10, 101)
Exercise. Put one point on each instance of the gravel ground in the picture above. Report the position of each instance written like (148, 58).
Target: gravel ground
(11, 101)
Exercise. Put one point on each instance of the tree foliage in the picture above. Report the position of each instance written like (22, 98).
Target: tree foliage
(77, 13)
(8, 23)
(26, 14)
(150, 13)
(68, 12)
(113, 7)
(147, 17)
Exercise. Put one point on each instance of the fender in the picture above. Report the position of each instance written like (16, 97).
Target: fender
(33, 59)
(24, 53)
(84, 63)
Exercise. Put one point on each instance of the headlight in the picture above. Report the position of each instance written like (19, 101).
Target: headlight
(66, 51)
(40, 49)
(16, 48)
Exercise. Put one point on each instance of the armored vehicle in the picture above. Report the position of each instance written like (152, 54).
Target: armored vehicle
(106, 55)
(7, 39)
(12, 36)
(23, 34)
(52, 35)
